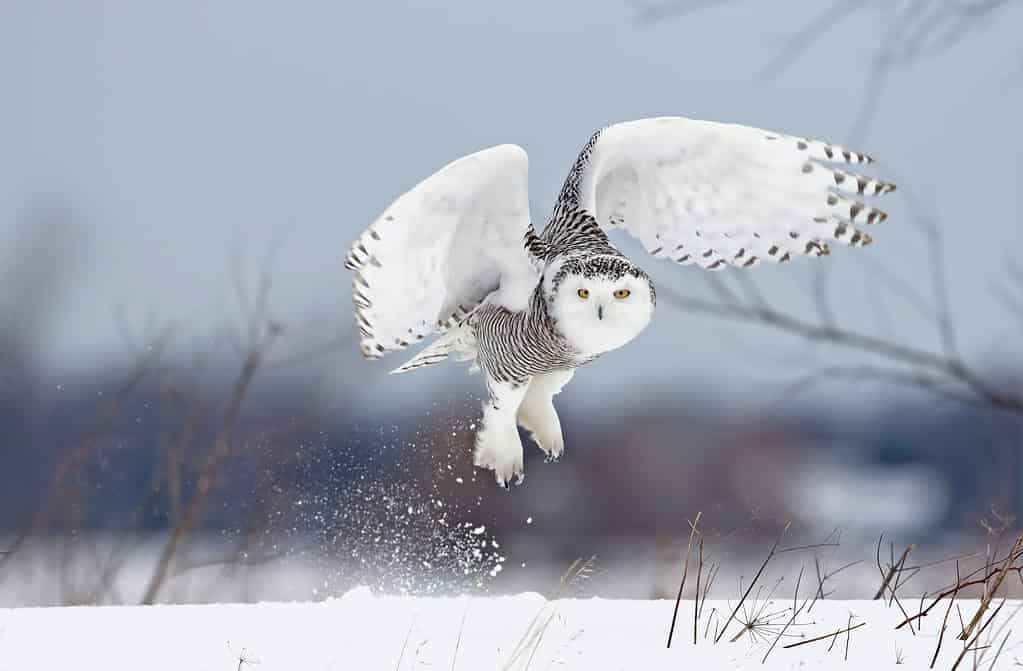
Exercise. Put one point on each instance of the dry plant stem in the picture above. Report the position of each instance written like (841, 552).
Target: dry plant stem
(781, 633)
(971, 646)
(712, 573)
(404, 645)
(944, 623)
(795, 592)
(986, 602)
(955, 588)
(848, 635)
(894, 572)
(578, 570)
(1001, 647)
(833, 634)
(997, 633)
(893, 588)
(795, 614)
(823, 577)
(685, 573)
(887, 577)
(461, 627)
(834, 640)
(770, 555)
(712, 615)
(696, 599)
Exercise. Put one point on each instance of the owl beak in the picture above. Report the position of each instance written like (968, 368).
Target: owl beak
(600, 312)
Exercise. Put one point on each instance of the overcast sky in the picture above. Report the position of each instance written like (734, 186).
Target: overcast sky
(179, 132)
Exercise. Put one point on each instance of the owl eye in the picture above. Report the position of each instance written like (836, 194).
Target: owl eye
(583, 293)
(622, 293)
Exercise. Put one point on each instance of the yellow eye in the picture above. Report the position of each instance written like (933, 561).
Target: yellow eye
(583, 293)
(622, 293)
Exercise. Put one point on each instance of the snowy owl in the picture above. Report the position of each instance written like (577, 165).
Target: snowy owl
(458, 254)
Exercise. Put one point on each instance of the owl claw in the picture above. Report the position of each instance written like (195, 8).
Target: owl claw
(500, 452)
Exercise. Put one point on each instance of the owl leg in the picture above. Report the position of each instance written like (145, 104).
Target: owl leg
(497, 442)
(538, 416)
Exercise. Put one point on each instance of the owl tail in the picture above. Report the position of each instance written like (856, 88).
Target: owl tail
(458, 343)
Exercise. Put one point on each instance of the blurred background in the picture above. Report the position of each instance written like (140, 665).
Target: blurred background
(184, 415)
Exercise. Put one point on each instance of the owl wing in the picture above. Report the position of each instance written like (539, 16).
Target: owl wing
(443, 247)
(712, 194)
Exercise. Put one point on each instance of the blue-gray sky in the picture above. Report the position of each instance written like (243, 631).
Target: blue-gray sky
(179, 132)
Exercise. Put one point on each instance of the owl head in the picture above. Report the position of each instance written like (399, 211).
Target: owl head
(598, 303)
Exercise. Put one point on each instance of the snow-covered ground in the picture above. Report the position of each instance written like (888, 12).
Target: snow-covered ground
(363, 632)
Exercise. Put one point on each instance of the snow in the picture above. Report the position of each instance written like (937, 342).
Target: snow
(366, 632)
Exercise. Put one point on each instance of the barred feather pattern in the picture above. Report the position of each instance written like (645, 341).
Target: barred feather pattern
(514, 346)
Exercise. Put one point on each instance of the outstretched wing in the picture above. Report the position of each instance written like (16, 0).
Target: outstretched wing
(713, 194)
(442, 248)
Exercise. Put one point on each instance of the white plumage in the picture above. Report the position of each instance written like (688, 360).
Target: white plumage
(457, 254)
(443, 247)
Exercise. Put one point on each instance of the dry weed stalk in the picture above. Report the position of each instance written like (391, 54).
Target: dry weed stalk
(972, 645)
(986, 601)
(832, 635)
(944, 622)
(461, 628)
(773, 551)
(408, 635)
(685, 573)
(579, 572)
(243, 657)
(795, 613)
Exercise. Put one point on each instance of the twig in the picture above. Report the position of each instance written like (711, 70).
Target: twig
(990, 594)
(458, 641)
(795, 614)
(962, 585)
(685, 573)
(408, 635)
(887, 578)
(696, 600)
(821, 638)
(242, 657)
(767, 559)
(944, 623)
(973, 641)
(848, 635)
